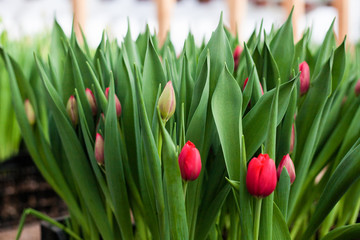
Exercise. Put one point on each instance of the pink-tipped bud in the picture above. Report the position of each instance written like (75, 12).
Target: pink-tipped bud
(92, 102)
(357, 88)
(237, 52)
(189, 162)
(304, 78)
(246, 81)
(167, 102)
(292, 138)
(289, 165)
(261, 176)
(72, 110)
(99, 149)
(29, 110)
(117, 102)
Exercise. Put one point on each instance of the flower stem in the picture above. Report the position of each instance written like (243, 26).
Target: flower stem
(185, 188)
(257, 218)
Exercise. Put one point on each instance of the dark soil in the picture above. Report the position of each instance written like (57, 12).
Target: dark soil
(22, 186)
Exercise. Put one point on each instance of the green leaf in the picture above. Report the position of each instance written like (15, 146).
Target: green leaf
(283, 192)
(280, 229)
(175, 197)
(350, 232)
(344, 176)
(339, 65)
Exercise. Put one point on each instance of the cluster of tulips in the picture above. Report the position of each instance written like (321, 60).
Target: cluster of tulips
(144, 143)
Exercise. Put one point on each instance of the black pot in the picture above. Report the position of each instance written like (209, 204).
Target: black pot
(51, 232)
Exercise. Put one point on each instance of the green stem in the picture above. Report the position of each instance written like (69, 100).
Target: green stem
(185, 188)
(44, 218)
(257, 218)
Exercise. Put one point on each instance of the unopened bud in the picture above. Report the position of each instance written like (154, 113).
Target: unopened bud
(92, 102)
(99, 149)
(189, 162)
(72, 110)
(289, 165)
(117, 102)
(167, 102)
(357, 88)
(245, 83)
(29, 110)
(237, 52)
(304, 77)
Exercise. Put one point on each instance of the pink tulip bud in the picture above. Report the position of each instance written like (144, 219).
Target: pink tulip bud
(261, 176)
(92, 101)
(289, 165)
(117, 102)
(189, 162)
(246, 81)
(292, 138)
(304, 78)
(99, 149)
(72, 110)
(29, 110)
(237, 52)
(167, 102)
(357, 88)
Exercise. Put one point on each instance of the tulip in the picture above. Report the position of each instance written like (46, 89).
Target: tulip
(167, 102)
(99, 149)
(117, 102)
(292, 138)
(237, 52)
(29, 110)
(72, 110)
(91, 100)
(289, 165)
(261, 176)
(357, 88)
(246, 81)
(304, 78)
(189, 162)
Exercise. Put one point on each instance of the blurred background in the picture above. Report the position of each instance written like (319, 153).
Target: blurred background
(28, 17)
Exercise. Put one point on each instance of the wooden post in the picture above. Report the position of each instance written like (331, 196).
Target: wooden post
(79, 8)
(237, 10)
(164, 12)
(299, 11)
(342, 7)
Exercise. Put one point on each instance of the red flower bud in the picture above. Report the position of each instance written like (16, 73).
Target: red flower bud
(289, 165)
(304, 77)
(167, 102)
(237, 52)
(189, 162)
(292, 138)
(117, 102)
(92, 101)
(246, 81)
(99, 149)
(261, 176)
(29, 110)
(357, 88)
(72, 110)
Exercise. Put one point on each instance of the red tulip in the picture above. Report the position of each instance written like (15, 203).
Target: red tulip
(292, 138)
(189, 162)
(237, 52)
(29, 110)
(117, 102)
(246, 81)
(357, 88)
(289, 165)
(261, 176)
(304, 77)
(91, 100)
(99, 149)
(72, 110)
(167, 102)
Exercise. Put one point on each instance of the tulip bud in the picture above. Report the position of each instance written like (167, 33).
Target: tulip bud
(189, 162)
(91, 100)
(167, 102)
(357, 88)
(261, 176)
(29, 110)
(292, 138)
(237, 52)
(99, 149)
(72, 110)
(289, 165)
(246, 81)
(304, 77)
(117, 102)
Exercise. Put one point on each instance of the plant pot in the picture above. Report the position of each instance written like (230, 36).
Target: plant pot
(51, 232)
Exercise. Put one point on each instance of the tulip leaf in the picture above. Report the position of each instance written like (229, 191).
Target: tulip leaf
(256, 92)
(344, 176)
(349, 232)
(339, 65)
(131, 49)
(283, 192)
(227, 93)
(175, 197)
(280, 229)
